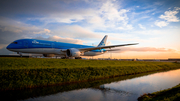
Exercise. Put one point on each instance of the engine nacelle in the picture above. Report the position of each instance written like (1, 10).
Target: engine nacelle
(73, 52)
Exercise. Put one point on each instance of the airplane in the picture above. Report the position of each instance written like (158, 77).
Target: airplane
(64, 50)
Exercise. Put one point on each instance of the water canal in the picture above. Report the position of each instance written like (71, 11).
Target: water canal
(125, 88)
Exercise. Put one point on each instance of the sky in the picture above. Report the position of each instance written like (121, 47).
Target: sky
(154, 24)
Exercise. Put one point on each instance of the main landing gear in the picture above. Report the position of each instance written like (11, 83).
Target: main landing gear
(78, 58)
(19, 54)
(70, 58)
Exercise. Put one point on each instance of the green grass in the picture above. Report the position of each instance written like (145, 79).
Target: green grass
(171, 94)
(39, 63)
(20, 73)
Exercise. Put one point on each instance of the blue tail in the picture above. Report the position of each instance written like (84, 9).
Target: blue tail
(103, 41)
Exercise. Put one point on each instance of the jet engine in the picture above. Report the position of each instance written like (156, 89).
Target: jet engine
(73, 52)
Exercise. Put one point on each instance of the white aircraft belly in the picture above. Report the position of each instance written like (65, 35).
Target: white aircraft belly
(40, 51)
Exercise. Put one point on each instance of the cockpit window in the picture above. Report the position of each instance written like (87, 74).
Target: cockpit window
(14, 42)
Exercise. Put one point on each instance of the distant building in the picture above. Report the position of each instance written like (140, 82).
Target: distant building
(174, 59)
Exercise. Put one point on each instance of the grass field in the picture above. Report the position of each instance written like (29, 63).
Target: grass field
(20, 73)
(171, 94)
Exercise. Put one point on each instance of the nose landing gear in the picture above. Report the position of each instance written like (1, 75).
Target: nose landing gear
(19, 53)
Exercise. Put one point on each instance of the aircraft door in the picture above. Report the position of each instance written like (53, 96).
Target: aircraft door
(53, 46)
(26, 44)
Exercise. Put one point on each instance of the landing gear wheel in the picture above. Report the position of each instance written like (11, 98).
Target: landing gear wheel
(64, 58)
(78, 58)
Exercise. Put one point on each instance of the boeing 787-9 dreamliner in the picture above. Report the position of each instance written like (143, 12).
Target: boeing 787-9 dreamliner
(64, 50)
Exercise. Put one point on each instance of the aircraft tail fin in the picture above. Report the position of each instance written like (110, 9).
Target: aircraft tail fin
(103, 41)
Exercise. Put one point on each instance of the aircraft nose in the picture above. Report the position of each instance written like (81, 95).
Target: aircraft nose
(8, 47)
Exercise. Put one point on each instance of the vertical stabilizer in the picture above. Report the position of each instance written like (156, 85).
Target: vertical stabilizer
(103, 41)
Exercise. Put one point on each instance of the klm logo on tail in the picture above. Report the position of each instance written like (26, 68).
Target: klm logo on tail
(103, 41)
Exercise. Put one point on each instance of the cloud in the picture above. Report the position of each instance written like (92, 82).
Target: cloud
(176, 8)
(61, 11)
(161, 23)
(67, 16)
(141, 26)
(110, 12)
(74, 31)
(11, 30)
(60, 39)
(101, 15)
(16, 30)
(43, 31)
(106, 16)
(10, 25)
(146, 49)
(96, 19)
(168, 16)
(113, 16)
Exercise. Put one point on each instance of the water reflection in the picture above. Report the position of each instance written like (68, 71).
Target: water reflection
(112, 90)
(150, 83)
(125, 88)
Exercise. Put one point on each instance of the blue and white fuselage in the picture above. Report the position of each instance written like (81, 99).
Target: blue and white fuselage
(58, 48)
(48, 47)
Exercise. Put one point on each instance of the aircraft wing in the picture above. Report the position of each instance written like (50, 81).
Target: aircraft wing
(113, 50)
(103, 47)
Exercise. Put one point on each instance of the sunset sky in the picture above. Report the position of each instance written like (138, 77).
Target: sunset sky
(154, 24)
